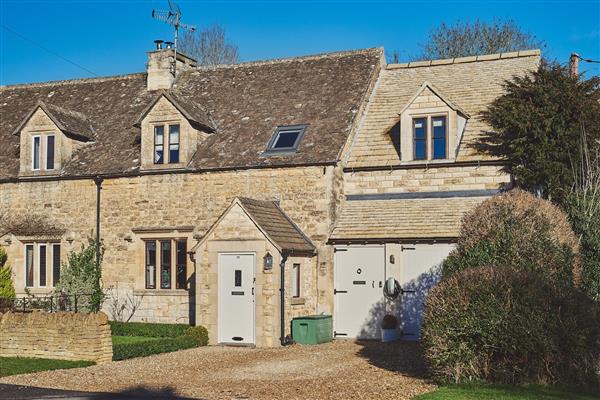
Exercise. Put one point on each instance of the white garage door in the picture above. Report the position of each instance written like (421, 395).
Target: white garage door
(359, 274)
(420, 270)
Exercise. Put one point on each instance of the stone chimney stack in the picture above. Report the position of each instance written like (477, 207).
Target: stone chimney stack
(161, 66)
(574, 65)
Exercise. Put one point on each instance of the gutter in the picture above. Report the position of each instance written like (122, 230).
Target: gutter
(139, 173)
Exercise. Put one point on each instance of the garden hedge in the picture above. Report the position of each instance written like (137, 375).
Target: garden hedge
(504, 325)
(148, 329)
(529, 232)
(146, 348)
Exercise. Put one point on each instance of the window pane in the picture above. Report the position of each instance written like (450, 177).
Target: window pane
(296, 280)
(151, 265)
(36, 152)
(165, 264)
(173, 153)
(420, 138)
(181, 258)
(173, 134)
(55, 264)
(159, 138)
(439, 137)
(286, 139)
(29, 265)
(42, 265)
(420, 128)
(50, 152)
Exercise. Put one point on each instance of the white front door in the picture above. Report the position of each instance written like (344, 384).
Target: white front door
(420, 271)
(359, 274)
(236, 298)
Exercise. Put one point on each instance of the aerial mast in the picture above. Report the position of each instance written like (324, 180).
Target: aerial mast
(173, 18)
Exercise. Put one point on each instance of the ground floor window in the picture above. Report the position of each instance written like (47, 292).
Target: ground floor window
(296, 280)
(42, 260)
(169, 258)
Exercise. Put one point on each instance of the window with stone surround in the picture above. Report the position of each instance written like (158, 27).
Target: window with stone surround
(163, 142)
(42, 260)
(168, 258)
(43, 152)
(430, 137)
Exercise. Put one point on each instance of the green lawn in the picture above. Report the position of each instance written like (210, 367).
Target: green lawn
(23, 365)
(132, 339)
(504, 393)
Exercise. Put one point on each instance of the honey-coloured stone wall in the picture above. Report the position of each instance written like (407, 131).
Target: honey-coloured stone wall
(61, 335)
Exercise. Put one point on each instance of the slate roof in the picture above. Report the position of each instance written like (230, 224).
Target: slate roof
(472, 83)
(425, 218)
(246, 102)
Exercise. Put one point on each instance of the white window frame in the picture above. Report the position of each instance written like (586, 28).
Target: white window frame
(36, 263)
(33, 168)
(166, 141)
(296, 280)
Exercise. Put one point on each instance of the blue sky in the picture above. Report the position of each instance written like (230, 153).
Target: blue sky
(111, 37)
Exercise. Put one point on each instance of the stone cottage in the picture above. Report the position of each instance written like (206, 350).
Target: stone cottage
(214, 187)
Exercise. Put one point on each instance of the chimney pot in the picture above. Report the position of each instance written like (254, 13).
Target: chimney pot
(158, 44)
(574, 65)
(169, 45)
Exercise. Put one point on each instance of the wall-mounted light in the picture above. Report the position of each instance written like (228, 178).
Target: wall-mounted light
(268, 262)
(70, 239)
(128, 238)
(392, 259)
(8, 240)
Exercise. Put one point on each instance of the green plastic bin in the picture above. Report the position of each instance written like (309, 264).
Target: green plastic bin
(312, 329)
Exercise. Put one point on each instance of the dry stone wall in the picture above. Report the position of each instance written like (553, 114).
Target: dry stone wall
(63, 336)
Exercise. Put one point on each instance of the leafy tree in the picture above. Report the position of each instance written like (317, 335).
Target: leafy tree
(209, 46)
(82, 277)
(538, 126)
(474, 38)
(7, 289)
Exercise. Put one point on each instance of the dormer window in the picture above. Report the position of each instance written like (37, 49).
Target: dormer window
(173, 144)
(159, 144)
(35, 152)
(50, 152)
(286, 139)
(430, 138)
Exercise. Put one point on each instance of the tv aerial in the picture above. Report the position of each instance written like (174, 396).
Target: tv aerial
(173, 18)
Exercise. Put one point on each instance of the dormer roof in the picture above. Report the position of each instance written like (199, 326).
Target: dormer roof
(71, 123)
(192, 111)
(427, 85)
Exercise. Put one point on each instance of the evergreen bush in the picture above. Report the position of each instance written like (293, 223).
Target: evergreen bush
(506, 325)
(520, 230)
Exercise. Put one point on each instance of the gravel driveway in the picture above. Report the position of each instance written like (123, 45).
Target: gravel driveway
(337, 370)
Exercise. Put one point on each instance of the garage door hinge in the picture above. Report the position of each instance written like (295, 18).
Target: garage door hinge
(339, 334)
(402, 248)
(335, 250)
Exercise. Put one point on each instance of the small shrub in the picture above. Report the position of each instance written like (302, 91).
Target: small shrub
(7, 289)
(81, 276)
(531, 233)
(141, 349)
(148, 329)
(199, 333)
(503, 325)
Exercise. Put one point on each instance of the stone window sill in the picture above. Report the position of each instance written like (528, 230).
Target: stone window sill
(298, 301)
(160, 292)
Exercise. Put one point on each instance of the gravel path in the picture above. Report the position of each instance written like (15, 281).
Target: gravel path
(338, 370)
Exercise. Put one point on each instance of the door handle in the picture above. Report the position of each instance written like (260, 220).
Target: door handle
(253, 291)
(380, 285)
(373, 284)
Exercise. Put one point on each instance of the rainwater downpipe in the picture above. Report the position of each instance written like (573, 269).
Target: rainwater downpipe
(98, 181)
(283, 339)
